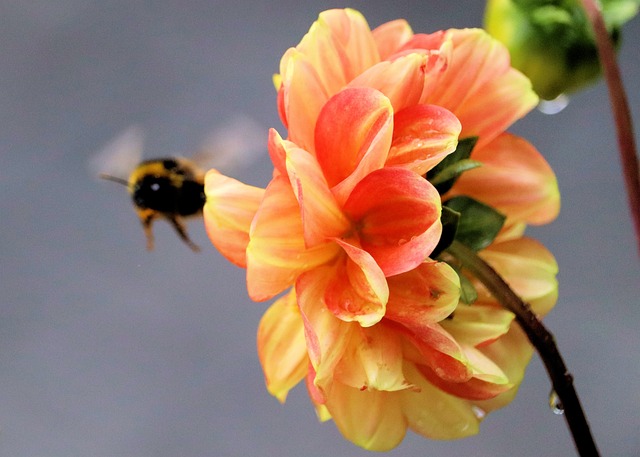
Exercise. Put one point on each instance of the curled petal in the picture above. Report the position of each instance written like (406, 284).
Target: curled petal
(321, 216)
(400, 80)
(487, 381)
(353, 135)
(359, 290)
(434, 413)
(514, 178)
(430, 345)
(480, 87)
(512, 353)
(390, 36)
(436, 47)
(278, 151)
(370, 419)
(228, 213)
(427, 294)
(276, 253)
(478, 324)
(423, 135)
(281, 346)
(397, 213)
(529, 269)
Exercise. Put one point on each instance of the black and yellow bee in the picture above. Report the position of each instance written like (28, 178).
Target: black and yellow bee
(172, 188)
(168, 188)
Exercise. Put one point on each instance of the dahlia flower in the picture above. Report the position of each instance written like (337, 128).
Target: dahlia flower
(346, 229)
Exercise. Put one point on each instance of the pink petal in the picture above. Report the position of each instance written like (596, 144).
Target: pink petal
(353, 135)
(426, 294)
(228, 213)
(281, 346)
(358, 291)
(514, 178)
(276, 253)
(423, 135)
(398, 215)
(390, 36)
(321, 216)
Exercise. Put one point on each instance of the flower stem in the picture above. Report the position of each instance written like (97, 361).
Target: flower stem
(621, 111)
(541, 339)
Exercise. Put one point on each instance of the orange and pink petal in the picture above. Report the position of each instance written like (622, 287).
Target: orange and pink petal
(230, 208)
(480, 87)
(428, 294)
(352, 137)
(321, 216)
(276, 253)
(423, 135)
(397, 214)
(514, 178)
(358, 290)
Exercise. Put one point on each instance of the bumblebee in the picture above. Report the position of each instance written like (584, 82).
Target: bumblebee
(169, 188)
(172, 188)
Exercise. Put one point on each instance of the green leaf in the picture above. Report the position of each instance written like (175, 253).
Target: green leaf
(449, 219)
(462, 152)
(454, 170)
(468, 292)
(478, 225)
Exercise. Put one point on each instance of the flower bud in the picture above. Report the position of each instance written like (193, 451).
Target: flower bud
(551, 41)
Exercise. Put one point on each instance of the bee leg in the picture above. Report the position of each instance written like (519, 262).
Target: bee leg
(147, 217)
(182, 232)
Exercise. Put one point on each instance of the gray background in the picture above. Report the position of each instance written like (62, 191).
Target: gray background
(107, 350)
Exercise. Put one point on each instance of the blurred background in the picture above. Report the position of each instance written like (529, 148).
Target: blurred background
(108, 350)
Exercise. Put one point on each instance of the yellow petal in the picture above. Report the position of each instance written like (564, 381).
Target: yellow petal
(281, 346)
(435, 414)
(529, 268)
(370, 419)
(373, 360)
(478, 324)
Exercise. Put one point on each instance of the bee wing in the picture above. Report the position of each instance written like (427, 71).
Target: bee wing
(232, 145)
(120, 156)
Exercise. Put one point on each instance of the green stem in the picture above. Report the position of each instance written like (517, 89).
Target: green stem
(621, 112)
(542, 340)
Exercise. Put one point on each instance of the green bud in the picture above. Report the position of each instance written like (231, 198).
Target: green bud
(551, 41)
